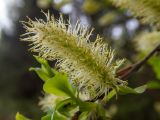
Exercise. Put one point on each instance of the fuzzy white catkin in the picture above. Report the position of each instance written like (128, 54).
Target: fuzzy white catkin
(147, 41)
(90, 66)
(49, 101)
(146, 10)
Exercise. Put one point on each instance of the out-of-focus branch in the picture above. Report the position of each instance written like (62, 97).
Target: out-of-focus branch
(123, 73)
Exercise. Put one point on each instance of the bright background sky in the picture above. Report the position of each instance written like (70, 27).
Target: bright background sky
(8, 13)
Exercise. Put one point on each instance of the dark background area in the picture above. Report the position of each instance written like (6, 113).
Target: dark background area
(20, 89)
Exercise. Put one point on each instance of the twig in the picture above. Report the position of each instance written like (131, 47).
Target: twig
(123, 73)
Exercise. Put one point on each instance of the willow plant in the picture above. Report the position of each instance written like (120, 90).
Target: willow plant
(90, 66)
(87, 74)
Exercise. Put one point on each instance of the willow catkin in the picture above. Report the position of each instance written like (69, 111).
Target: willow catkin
(146, 10)
(90, 65)
(147, 41)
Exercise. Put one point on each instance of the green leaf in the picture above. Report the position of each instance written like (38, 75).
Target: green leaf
(43, 76)
(54, 116)
(123, 90)
(140, 89)
(155, 63)
(153, 85)
(46, 117)
(126, 90)
(83, 116)
(45, 66)
(45, 72)
(59, 85)
(87, 106)
(21, 117)
(66, 107)
(110, 95)
(58, 116)
(40, 60)
(63, 103)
